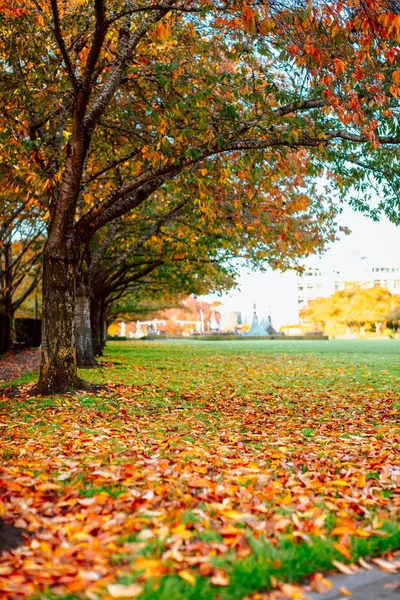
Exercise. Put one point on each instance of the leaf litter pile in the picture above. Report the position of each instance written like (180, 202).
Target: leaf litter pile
(213, 471)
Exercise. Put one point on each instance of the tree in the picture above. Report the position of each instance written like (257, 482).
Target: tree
(21, 245)
(352, 306)
(208, 230)
(110, 100)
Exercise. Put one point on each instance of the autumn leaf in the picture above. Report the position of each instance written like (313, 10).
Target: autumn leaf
(320, 584)
(343, 550)
(117, 590)
(346, 570)
(219, 578)
(187, 576)
(396, 76)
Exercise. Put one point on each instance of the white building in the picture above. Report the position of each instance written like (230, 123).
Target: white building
(319, 282)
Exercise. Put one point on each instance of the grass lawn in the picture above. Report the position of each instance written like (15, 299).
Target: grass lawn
(203, 470)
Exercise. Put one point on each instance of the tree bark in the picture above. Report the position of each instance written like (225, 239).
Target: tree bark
(7, 276)
(96, 325)
(83, 330)
(58, 371)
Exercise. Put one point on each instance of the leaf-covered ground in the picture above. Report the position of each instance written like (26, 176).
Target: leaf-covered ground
(203, 470)
(16, 363)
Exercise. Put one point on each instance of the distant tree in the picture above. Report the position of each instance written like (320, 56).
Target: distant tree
(354, 306)
(21, 247)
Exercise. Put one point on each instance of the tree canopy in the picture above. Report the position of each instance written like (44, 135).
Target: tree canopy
(104, 104)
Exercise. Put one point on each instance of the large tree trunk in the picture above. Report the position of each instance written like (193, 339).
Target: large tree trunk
(83, 330)
(58, 371)
(96, 324)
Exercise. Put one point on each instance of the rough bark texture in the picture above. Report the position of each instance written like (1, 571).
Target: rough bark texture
(83, 331)
(95, 320)
(59, 366)
(58, 371)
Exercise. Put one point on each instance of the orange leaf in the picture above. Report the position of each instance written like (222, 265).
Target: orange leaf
(396, 76)
(343, 550)
(199, 482)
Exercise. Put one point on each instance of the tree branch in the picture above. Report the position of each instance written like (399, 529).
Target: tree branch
(61, 44)
(121, 63)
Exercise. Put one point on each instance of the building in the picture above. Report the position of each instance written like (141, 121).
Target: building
(317, 282)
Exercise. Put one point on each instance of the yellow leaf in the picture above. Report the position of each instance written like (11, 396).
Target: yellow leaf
(151, 567)
(341, 530)
(361, 481)
(186, 576)
(234, 514)
(362, 533)
(253, 465)
(345, 592)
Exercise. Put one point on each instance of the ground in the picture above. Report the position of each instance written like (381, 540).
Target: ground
(208, 470)
(18, 362)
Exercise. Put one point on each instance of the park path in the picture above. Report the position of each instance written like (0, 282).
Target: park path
(17, 363)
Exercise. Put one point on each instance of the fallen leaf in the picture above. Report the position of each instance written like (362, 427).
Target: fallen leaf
(345, 569)
(199, 482)
(219, 578)
(343, 550)
(187, 576)
(320, 584)
(293, 592)
(364, 564)
(86, 501)
(385, 565)
(117, 590)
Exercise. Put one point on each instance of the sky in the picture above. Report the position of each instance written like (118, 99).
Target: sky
(275, 293)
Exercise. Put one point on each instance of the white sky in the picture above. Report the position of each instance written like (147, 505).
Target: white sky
(274, 292)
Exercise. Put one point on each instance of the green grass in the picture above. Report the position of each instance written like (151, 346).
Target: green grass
(329, 363)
